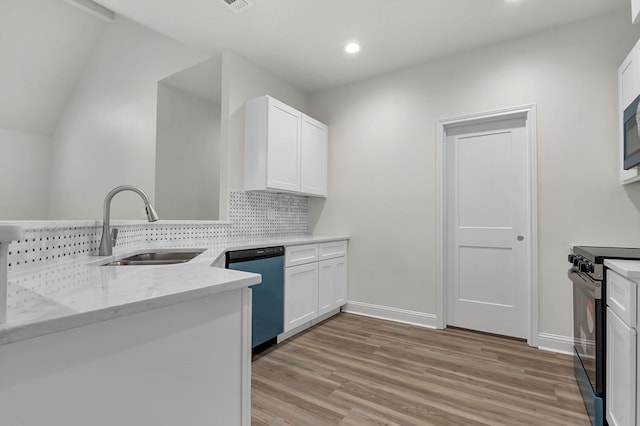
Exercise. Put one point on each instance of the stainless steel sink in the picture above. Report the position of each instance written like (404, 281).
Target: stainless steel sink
(156, 258)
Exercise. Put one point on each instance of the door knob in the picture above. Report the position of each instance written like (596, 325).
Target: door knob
(520, 237)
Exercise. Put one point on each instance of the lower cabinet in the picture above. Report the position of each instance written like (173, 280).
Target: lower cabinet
(332, 284)
(621, 372)
(300, 295)
(316, 287)
(622, 351)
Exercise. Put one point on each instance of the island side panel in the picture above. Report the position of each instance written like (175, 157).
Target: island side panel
(181, 364)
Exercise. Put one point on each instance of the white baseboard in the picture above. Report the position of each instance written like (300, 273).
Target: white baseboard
(555, 343)
(392, 314)
(545, 341)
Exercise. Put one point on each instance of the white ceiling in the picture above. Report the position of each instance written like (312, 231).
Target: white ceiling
(302, 40)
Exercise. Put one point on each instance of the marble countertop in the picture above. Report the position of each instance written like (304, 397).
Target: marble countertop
(80, 291)
(627, 268)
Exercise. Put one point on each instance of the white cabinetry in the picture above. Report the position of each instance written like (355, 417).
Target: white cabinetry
(284, 149)
(300, 295)
(332, 284)
(621, 372)
(635, 11)
(628, 90)
(628, 79)
(315, 283)
(299, 255)
(313, 157)
(622, 350)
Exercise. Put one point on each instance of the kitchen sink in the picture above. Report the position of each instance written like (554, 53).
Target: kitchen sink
(156, 258)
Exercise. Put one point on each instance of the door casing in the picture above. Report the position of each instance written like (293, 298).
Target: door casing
(528, 112)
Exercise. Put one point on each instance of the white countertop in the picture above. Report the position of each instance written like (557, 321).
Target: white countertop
(80, 292)
(627, 268)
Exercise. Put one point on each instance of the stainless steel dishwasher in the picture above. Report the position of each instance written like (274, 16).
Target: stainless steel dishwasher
(267, 315)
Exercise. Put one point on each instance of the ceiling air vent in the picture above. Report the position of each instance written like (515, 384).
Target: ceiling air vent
(238, 6)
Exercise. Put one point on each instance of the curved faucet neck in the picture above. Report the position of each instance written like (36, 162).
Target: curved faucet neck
(106, 243)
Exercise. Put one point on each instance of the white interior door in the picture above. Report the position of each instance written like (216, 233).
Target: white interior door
(487, 223)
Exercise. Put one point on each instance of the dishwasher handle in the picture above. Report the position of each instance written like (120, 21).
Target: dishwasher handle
(253, 254)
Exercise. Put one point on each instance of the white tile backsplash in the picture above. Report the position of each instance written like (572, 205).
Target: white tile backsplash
(250, 214)
(267, 214)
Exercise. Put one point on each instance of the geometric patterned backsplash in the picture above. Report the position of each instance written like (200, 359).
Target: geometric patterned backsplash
(250, 214)
(267, 214)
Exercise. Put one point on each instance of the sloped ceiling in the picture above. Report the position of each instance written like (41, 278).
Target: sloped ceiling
(44, 45)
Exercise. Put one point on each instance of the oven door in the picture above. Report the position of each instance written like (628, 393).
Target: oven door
(588, 327)
(589, 343)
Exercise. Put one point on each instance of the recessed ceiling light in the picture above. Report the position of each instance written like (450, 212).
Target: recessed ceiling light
(352, 48)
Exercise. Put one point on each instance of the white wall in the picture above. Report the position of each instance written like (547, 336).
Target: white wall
(106, 136)
(241, 81)
(187, 161)
(44, 46)
(382, 159)
(23, 184)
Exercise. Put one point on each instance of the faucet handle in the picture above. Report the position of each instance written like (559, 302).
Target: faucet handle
(114, 236)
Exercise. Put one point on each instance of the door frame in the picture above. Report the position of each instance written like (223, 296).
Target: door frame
(529, 113)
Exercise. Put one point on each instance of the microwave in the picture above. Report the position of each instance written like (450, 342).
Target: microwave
(631, 135)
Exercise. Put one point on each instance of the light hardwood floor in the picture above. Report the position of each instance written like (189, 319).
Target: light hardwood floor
(354, 370)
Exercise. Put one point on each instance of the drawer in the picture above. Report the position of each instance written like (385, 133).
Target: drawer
(332, 250)
(621, 297)
(300, 255)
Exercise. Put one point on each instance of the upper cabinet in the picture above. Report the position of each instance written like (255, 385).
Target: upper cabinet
(635, 11)
(313, 157)
(628, 79)
(628, 90)
(284, 149)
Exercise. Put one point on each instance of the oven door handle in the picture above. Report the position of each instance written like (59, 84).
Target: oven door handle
(586, 284)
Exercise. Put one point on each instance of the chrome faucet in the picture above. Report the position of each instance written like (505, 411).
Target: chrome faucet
(109, 238)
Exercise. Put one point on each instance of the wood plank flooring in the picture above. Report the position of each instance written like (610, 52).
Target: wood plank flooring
(354, 370)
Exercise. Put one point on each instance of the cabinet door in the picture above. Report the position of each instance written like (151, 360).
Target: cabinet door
(325, 286)
(629, 81)
(300, 295)
(332, 284)
(340, 282)
(621, 372)
(283, 150)
(313, 157)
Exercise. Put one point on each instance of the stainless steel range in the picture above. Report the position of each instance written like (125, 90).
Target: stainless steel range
(588, 275)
